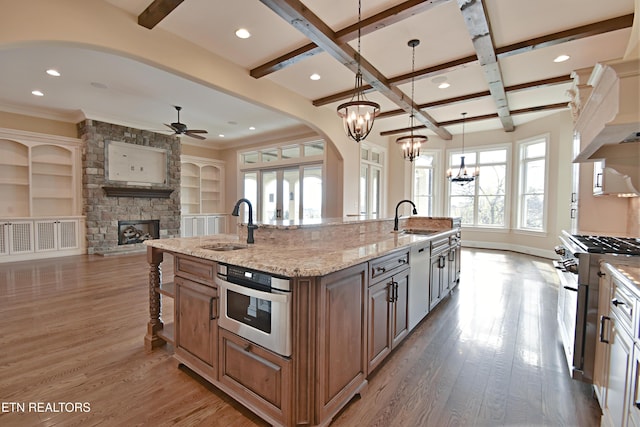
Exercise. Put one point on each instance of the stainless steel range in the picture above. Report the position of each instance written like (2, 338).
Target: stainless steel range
(578, 271)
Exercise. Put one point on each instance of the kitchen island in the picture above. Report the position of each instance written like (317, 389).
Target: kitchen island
(350, 293)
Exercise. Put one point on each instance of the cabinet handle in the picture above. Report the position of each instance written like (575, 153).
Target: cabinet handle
(395, 290)
(598, 180)
(617, 302)
(402, 260)
(573, 213)
(390, 292)
(602, 319)
(441, 261)
(452, 255)
(601, 274)
(573, 197)
(381, 269)
(211, 305)
(247, 348)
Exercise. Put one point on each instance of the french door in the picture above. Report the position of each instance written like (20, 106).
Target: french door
(285, 193)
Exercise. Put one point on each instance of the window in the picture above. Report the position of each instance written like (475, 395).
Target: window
(532, 182)
(284, 182)
(481, 203)
(371, 168)
(423, 184)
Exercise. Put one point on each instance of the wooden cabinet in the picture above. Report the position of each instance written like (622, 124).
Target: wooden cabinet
(201, 185)
(388, 303)
(257, 377)
(196, 326)
(341, 341)
(196, 312)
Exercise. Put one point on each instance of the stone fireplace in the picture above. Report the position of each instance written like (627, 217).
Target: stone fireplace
(107, 203)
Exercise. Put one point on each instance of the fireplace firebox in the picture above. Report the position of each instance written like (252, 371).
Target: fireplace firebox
(137, 231)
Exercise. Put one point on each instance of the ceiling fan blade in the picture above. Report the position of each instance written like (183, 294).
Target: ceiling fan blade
(194, 135)
(197, 131)
(171, 127)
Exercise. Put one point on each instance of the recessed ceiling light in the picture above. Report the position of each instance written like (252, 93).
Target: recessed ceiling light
(561, 58)
(221, 135)
(99, 85)
(53, 72)
(37, 93)
(443, 85)
(252, 128)
(315, 76)
(243, 33)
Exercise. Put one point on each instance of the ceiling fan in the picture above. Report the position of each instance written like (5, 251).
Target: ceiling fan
(181, 128)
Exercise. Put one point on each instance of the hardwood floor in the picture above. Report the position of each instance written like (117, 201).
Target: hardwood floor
(72, 328)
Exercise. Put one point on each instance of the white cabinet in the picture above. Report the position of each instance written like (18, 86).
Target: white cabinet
(202, 225)
(55, 235)
(419, 283)
(23, 239)
(201, 185)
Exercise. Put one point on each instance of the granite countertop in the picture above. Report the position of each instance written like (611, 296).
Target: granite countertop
(630, 273)
(316, 258)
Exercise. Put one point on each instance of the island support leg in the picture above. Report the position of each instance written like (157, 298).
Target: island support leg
(151, 339)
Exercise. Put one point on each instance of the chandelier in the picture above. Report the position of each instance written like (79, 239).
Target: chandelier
(358, 114)
(411, 143)
(463, 176)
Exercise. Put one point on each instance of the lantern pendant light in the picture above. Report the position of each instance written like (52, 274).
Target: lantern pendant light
(358, 114)
(411, 143)
(463, 177)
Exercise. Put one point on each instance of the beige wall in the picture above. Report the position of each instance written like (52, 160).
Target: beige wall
(39, 125)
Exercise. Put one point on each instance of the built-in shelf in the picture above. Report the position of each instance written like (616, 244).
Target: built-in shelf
(156, 193)
(167, 333)
(168, 289)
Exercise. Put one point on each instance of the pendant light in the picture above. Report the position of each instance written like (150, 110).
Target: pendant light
(358, 114)
(463, 176)
(411, 143)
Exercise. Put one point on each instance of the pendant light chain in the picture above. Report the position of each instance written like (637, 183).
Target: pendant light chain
(358, 114)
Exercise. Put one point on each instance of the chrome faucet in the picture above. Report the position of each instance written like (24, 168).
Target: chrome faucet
(395, 220)
(250, 225)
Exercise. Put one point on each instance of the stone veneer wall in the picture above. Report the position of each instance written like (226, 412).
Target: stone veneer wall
(102, 213)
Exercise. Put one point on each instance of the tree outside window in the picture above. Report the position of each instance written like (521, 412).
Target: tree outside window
(481, 203)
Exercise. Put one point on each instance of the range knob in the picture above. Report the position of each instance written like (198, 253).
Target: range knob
(560, 250)
(571, 266)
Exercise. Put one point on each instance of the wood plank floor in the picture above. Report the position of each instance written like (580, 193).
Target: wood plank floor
(71, 330)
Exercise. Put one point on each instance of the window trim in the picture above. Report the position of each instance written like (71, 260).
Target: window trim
(438, 176)
(521, 145)
(383, 166)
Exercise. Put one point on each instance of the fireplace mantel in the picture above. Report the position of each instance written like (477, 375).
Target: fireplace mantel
(146, 192)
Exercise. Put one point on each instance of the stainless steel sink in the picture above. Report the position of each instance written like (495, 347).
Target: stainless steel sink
(419, 231)
(224, 246)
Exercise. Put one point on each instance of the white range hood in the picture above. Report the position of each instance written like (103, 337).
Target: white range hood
(609, 125)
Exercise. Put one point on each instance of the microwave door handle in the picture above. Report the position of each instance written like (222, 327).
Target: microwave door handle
(569, 288)
(269, 296)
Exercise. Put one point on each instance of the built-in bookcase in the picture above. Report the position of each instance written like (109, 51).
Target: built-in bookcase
(201, 186)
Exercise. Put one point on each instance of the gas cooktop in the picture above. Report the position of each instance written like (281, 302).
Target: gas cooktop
(608, 245)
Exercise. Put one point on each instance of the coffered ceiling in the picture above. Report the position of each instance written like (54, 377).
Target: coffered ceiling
(496, 55)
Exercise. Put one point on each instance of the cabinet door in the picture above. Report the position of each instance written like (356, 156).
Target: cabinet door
(445, 285)
(634, 403)
(379, 322)
(400, 313)
(196, 326)
(20, 237)
(601, 360)
(342, 329)
(435, 279)
(257, 377)
(618, 375)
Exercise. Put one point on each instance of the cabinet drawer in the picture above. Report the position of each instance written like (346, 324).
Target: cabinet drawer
(382, 266)
(195, 269)
(439, 246)
(255, 376)
(622, 303)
